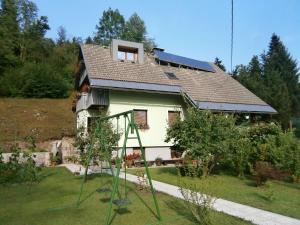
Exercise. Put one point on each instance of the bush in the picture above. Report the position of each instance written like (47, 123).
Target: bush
(206, 137)
(19, 169)
(35, 80)
(197, 203)
(264, 171)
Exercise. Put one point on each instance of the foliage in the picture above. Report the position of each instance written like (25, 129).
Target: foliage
(111, 26)
(32, 65)
(220, 64)
(240, 148)
(98, 143)
(214, 139)
(263, 171)
(20, 168)
(204, 135)
(158, 161)
(198, 203)
(274, 78)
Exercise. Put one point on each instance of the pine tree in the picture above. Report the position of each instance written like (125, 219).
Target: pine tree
(110, 26)
(220, 64)
(278, 63)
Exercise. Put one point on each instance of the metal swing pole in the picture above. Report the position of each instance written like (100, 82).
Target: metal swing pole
(116, 180)
(146, 167)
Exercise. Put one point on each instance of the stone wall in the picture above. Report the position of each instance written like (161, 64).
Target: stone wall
(41, 158)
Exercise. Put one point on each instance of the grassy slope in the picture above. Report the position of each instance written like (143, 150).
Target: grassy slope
(286, 195)
(49, 118)
(60, 188)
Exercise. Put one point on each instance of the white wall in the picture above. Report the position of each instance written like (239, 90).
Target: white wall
(157, 106)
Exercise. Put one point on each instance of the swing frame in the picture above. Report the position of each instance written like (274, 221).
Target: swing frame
(130, 128)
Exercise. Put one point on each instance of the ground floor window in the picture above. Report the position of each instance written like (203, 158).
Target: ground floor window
(140, 118)
(173, 116)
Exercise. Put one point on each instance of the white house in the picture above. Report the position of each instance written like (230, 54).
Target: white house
(157, 86)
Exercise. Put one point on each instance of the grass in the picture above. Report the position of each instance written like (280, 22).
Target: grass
(60, 188)
(46, 118)
(278, 197)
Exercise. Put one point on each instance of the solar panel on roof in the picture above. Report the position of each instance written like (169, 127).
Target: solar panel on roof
(167, 57)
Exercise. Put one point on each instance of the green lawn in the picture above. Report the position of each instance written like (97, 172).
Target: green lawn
(60, 188)
(286, 196)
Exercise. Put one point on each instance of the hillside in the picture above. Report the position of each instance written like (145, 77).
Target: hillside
(45, 118)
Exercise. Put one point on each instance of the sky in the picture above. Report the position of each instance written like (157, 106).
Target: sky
(198, 29)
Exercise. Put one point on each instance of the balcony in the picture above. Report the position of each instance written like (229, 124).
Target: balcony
(95, 97)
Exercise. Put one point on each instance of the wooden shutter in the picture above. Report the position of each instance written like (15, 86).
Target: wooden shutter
(173, 116)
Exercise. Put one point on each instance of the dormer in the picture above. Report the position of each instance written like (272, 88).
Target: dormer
(127, 51)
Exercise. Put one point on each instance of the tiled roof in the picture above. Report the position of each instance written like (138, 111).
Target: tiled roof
(200, 85)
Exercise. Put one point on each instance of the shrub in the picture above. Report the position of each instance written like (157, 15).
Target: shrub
(20, 168)
(158, 161)
(197, 203)
(206, 136)
(264, 171)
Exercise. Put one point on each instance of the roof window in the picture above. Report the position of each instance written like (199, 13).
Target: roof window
(171, 75)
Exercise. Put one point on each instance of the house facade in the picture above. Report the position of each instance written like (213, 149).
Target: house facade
(158, 86)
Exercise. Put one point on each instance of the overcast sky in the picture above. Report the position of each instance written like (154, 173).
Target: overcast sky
(198, 29)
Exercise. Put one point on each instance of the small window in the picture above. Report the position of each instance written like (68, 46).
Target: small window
(171, 75)
(127, 54)
(173, 116)
(140, 118)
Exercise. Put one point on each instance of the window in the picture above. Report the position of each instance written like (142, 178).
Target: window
(172, 117)
(140, 118)
(127, 54)
(171, 75)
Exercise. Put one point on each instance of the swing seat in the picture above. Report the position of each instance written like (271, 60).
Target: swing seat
(103, 190)
(121, 202)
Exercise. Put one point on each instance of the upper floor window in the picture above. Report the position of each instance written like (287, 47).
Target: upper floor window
(173, 116)
(140, 118)
(127, 54)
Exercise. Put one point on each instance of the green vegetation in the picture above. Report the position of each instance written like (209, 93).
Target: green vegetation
(59, 188)
(112, 25)
(20, 168)
(215, 140)
(275, 79)
(276, 196)
(32, 65)
(44, 118)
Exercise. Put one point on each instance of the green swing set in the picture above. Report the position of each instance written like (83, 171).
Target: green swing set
(130, 128)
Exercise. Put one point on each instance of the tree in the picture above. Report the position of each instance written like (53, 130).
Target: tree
(220, 64)
(9, 35)
(275, 79)
(135, 29)
(281, 69)
(110, 26)
(89, 40)
(62, 35)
